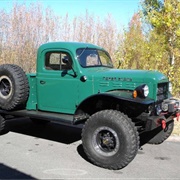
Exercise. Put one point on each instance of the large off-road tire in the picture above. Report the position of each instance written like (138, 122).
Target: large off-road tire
(162, 134)
(110, 139)
(14, 89)
(2, 125)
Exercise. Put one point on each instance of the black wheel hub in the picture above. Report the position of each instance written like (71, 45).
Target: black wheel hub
(5, 87)
(105, 141)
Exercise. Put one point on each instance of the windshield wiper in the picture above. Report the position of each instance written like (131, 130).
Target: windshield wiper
(82, 52)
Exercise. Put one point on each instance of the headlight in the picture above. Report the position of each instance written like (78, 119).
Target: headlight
(141, 91)
(170, 87)
(145, 90)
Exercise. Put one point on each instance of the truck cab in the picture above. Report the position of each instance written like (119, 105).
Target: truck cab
(65, 75)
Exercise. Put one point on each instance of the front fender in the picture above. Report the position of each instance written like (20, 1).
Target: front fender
(107, 100)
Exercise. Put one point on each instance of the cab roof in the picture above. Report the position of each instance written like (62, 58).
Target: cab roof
(72, 46)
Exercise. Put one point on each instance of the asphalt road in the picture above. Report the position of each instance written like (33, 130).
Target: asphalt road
(54, 151)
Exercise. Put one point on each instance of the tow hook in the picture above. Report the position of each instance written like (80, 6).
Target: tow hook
(163, 124)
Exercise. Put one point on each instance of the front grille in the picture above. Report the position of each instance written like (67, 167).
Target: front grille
(162, 91)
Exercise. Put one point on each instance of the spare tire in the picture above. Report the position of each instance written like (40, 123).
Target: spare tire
(14, 88)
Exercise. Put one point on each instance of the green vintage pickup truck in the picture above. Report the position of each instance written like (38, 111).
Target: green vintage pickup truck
(76, 84)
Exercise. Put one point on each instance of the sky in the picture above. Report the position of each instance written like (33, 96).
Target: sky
(121, 10)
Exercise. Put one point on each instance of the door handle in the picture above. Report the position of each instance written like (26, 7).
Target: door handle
(42, 82)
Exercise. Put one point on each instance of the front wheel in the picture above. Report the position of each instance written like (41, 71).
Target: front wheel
(110, 139)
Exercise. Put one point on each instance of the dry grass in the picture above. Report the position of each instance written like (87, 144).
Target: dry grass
(176, 130)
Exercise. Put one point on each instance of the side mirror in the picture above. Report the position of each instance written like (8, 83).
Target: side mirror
(65, 60)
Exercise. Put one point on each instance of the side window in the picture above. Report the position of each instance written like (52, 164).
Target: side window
(55, 61)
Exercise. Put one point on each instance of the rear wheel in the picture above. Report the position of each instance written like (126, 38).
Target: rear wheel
(110, 139)
(2, 125)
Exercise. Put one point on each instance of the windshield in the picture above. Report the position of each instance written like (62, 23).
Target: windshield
(93, 58)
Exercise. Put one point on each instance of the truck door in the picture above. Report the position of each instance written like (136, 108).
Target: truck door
(56, 83)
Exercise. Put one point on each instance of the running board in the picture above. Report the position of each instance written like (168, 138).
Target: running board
(56, 117)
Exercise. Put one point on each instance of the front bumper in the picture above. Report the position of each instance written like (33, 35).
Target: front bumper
(166, 112)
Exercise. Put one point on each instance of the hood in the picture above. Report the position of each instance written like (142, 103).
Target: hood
(140, 76)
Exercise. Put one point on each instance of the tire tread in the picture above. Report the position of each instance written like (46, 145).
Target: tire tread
(21, 89)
